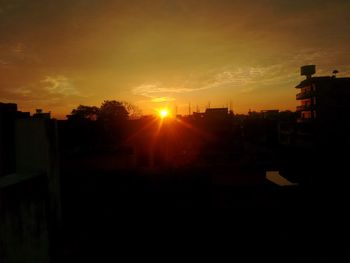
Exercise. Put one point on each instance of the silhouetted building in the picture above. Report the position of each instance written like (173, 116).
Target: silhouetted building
(324, 111)
(323, 98)
(29, 187)
(264, 114)
(216, 113)
(317, 140)
(8, 116)
(7, 113)
(198, 115)
(270, 114)
(40, 114)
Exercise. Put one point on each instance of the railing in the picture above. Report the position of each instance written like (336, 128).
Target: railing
(304, 107)
(304, 95)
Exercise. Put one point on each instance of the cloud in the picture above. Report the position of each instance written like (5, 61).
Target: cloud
(236, 77)
(60, 85)
(49, 89)
(22, 91)
(158, 91)
(163, 99)
(246, 79)
(18, 48)
(146, 90)
(19, 56)
(3, 62)
(149, 90)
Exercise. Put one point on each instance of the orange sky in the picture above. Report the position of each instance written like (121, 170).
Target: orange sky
(56, 55)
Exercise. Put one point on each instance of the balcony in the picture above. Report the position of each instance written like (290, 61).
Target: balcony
(305, 95)
(305, 107)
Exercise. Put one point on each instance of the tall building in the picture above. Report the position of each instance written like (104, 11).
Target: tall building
(314, 146)
(323, 99)
(8, 115)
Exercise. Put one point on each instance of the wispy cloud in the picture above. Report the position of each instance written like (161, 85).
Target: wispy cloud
(50, 88)
(163, 99)
(18, 55)
(3, 62)
(153, 90)
(23, 91)
(60, 85)
(237, 78)
(18, 48)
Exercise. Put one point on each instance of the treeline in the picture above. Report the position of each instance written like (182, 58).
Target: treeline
(110, 110)
(89, 128)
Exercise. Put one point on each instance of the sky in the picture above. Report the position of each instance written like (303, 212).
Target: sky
(56, 55)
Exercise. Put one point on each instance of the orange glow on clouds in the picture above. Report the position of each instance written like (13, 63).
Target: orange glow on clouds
(158, 54)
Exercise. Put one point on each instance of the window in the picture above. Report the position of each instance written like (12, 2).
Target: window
(306, 102)
(306, 115)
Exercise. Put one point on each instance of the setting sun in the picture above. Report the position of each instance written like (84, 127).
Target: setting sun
(163, 113)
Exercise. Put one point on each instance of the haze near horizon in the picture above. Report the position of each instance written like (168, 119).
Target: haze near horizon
(57, 55)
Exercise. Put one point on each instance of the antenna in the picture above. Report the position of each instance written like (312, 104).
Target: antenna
(335, 72)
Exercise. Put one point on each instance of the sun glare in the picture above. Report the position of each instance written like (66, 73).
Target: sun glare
(163, 113)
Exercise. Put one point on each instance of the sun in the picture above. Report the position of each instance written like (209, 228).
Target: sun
(163, 113)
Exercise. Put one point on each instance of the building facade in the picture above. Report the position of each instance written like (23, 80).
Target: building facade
(313, 147)
(323, 99)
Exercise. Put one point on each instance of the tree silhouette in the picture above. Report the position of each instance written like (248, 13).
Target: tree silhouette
(84, 112)
(112, 118)
(106, 125)
(112, 111)
(134, 111)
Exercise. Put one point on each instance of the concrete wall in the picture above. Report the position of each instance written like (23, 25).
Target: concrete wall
(24, 235)
(30, 198)
(7, 119)
(37, 151)
(2, 147)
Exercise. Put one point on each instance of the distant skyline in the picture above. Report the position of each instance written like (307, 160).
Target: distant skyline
(56, 55)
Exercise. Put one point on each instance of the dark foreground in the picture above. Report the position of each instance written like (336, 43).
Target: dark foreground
(119, 216)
